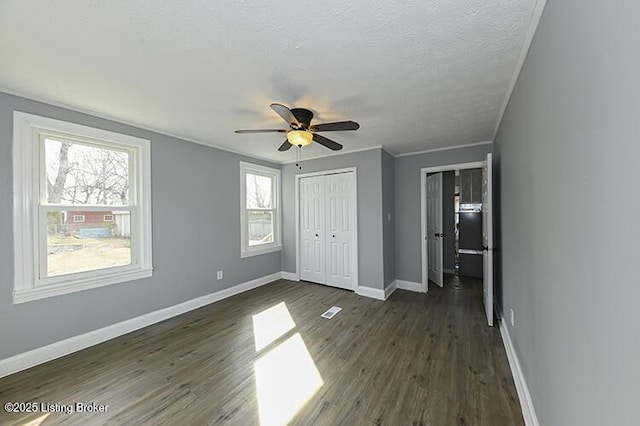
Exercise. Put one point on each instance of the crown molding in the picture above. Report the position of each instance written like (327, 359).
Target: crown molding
(426, 151)
(533, 27)
(334, 154)
(214, 146)
(128, 123)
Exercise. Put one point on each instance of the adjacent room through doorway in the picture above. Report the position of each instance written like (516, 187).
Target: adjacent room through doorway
(461, 212)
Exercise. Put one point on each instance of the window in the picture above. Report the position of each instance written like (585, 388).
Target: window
(260, 211)
(68, 179)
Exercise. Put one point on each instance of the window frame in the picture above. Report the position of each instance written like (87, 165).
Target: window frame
(30, 230)
(82, 220)
(245, 249)
(105, 220)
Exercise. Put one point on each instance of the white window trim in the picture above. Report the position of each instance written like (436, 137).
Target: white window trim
(245, 249)
(104, 218)
(79, 220)
(26, 201)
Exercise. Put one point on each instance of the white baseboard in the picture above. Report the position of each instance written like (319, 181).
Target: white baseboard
(388, 290)
(291, 276)
(374, 293)
(73, 344)
(526, 403)
(410, 286)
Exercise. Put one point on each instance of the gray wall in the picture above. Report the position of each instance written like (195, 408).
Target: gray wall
(370, 241)
(448, 220)
(408, 247)
(567, 155)
(388, 208)
(196, 231)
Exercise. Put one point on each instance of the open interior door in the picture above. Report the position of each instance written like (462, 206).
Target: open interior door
(434, 228)
(487, 238)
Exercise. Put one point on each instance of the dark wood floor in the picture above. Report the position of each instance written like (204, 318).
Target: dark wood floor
(412, 360)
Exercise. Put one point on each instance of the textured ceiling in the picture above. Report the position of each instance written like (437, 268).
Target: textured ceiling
(416, 74)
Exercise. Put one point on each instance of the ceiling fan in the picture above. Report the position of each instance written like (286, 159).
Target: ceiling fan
(302, 132)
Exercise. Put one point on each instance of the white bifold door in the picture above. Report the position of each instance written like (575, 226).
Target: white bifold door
(327, 225)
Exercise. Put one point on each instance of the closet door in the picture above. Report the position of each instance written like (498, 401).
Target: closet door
(339, 190)
(312, 238)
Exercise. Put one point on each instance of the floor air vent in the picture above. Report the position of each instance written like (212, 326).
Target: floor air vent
(331, 312)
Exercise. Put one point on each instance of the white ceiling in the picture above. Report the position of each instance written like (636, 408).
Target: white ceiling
(416, 74)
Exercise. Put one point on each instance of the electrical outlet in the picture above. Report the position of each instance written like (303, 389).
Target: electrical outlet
(220, 275)
(512, 320)
(388, 217)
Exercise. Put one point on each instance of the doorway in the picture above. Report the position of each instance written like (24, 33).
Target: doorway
(475, 216)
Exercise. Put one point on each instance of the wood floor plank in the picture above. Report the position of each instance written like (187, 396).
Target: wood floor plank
(416, 359)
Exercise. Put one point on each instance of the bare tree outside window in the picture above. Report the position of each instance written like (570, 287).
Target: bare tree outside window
(259, 192)
(259, 209)
(82, 174)
(55, 185)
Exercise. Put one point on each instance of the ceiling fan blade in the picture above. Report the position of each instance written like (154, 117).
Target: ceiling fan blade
(285, 145)
(262, 131)
(286, 114)
(334, 127)
(334, 146)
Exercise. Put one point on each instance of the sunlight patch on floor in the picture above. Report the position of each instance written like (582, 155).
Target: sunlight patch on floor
(35, 422)
(286, 379)
(270, 324)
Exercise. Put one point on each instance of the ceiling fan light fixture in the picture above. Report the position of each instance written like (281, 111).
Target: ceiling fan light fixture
(299, 137)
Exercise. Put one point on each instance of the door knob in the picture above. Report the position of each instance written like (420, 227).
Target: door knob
(316, 235)
(333, 236)
(439, 234)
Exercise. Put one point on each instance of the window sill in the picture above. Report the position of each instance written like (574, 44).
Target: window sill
(259, 251)
(21, 296)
